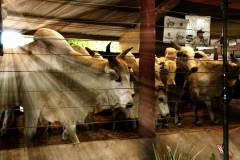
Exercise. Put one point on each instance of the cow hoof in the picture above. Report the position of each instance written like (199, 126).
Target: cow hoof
(65, 136)
(198, 123)
(164, 126)
(215, 121)
(178, 125)
(48, 130)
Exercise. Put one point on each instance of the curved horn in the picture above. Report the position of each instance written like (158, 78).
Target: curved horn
(175, 45)
(91, 52)
(111, 59)
(108, 48)
(123, 54)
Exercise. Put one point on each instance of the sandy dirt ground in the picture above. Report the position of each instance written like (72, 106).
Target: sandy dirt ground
(103, 129)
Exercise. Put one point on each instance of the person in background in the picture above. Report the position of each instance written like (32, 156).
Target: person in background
(199, 40)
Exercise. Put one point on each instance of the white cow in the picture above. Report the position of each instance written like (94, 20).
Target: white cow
(161, 106)
(186, 64)
(62, 85)
(209, 76)
(160, 96)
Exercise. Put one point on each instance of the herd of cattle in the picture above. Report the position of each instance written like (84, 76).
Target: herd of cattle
(65, 84)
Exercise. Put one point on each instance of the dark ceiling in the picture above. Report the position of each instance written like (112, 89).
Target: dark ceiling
(107, 19)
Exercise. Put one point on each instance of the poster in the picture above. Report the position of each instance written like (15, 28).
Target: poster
(174, 29)
(197, 23)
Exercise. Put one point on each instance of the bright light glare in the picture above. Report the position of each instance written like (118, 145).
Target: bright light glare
(13, 39)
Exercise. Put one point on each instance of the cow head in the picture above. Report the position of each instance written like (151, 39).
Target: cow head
(185, 58)
(132, 62)
(165, 69)
(161, 105)
(120, 78)
(158, 82)
(168, 70)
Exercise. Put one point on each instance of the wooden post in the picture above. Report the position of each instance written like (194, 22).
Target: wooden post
(1, 30)
(146, 69)
(225, 104)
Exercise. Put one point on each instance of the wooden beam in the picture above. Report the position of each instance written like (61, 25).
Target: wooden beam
(96, 5)
(146, 69)
(77, 36)
(164, 7)
(5, 3)
(69, 20)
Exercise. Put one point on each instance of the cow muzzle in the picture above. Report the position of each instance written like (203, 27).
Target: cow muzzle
(129, 105)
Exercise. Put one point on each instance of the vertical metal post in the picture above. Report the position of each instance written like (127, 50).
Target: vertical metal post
(1, 30)
(226, 117)
(146, 69)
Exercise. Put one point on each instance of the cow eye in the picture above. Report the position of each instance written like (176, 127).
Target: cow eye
(160, 99)
(119, 79)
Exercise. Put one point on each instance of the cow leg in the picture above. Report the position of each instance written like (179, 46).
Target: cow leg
(7, 115)
(209, 108)
(70, 131)
(65, 134)
(164, 123)
(13, 120)
(171, 108)
(115, 112)
(176, 114)
(134, 124)
(195, 110)
(48, 129)
(89, 120)
(30, 125)
(41, 121)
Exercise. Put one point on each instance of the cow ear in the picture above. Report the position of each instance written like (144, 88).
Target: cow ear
(198, 55)
(111, 73)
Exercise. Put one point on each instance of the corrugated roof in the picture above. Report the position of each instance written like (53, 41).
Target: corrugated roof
(94, 19)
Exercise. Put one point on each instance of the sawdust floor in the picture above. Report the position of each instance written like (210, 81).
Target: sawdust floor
(103, 131)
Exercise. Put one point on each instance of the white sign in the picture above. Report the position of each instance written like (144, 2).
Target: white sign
(197, 23)
(174, 29)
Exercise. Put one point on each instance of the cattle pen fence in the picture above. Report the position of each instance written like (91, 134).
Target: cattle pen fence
(146, 36)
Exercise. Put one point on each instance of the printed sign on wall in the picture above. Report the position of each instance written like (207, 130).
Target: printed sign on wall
(197, 23)
(174, 29)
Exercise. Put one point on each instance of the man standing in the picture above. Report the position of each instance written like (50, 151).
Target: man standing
(199, 40)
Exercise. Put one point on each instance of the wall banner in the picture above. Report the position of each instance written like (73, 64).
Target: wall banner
(196, 23)
(174, 29)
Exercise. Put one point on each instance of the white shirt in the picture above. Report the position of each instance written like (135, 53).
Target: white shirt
(196, 42)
